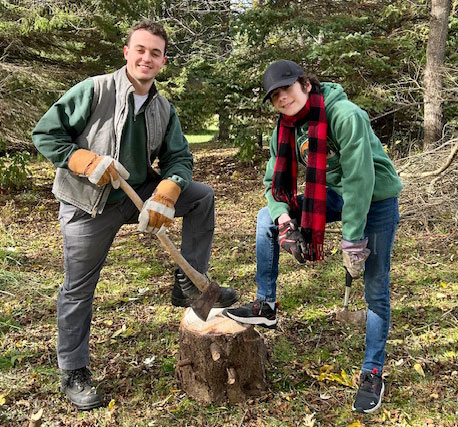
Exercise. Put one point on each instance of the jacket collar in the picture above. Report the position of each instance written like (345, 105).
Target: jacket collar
(125, 86)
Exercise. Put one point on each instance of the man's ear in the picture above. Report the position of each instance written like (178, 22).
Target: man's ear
(126, 51)
(164, 60)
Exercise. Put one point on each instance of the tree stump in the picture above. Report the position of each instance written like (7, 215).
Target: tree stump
(220, 360)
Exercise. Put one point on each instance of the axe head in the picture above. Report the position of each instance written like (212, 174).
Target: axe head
(356, 318)
(206, 301)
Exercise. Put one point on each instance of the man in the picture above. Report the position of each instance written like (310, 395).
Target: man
(350, 178)
(105, 127)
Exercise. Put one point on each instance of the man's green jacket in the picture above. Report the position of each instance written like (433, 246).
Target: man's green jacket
(98, 114)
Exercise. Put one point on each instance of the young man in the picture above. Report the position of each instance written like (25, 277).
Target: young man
(350, 178)
(106, 126)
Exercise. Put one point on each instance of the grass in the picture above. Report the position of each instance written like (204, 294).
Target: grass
(135, 337)
(202, 136)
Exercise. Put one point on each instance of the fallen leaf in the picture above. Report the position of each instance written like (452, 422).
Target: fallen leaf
(2, 399)
(326, 375)
(149, 360)
(355, 424)
(326, 368)
(347, 380)
(119, 331)
(37, 416)
(23, 402)
(309, 420)
(419, 369)
(124, 331)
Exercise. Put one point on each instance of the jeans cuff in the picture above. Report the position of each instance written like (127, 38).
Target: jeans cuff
(367, 369)
(264, 298)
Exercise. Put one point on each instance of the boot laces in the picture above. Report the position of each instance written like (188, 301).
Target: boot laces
(79, 376)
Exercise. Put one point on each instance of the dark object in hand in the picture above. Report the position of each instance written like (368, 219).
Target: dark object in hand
(292, 240)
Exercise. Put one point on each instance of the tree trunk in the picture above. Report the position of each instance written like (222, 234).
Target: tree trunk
(223, 124)
(435, 57)
(220, 360)
(225, 49)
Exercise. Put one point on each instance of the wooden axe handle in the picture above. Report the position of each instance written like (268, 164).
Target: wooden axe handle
(202, 283)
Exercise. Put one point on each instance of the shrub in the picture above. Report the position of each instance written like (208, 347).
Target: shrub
(14, 172)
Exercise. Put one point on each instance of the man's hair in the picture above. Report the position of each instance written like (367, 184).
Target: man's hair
(316, 86)
(153, 27)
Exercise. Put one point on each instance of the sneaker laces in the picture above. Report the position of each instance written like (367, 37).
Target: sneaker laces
(259, 304)
(369, 380)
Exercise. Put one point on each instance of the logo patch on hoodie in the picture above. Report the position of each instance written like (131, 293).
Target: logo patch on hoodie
(304, 150)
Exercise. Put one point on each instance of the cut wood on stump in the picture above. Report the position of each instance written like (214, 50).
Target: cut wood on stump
(220, 360)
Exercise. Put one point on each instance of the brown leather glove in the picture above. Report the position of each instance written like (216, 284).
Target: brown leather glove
(100, 170)
(159, 209)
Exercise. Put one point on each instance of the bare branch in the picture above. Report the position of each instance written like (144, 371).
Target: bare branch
(438, 171)
(402, 107)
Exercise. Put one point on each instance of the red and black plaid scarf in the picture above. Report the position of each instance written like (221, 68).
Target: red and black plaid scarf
(284, 182)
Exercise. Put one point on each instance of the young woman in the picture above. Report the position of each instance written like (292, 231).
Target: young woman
(350, 178)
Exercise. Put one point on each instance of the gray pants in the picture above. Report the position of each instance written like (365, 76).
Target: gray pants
(87, 241)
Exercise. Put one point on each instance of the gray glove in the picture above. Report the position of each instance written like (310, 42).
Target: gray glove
(354, 256)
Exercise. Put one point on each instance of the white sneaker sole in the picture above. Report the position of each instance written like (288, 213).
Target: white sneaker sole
(259, 321)
(369, 411)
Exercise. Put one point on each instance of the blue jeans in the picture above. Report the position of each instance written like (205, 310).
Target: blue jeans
(381, 225)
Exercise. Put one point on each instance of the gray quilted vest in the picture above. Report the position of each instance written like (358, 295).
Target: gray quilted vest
(103, 133)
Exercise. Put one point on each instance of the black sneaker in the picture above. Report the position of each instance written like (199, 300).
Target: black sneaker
(370, 392)
(184, 293)
(254, 313)
(77, 386)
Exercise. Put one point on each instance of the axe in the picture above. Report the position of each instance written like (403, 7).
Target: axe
(358, 317)
(210, 290)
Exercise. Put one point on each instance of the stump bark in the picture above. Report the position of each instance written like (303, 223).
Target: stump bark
(220, 360)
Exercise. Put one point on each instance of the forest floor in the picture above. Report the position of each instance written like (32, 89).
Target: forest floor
(314, 362)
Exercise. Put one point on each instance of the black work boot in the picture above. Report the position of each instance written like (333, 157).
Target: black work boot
(77, 386)
(184, 293)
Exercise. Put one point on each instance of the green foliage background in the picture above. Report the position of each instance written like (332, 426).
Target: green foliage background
(218, 52)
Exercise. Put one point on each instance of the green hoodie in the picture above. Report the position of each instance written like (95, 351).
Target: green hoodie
(357, 166)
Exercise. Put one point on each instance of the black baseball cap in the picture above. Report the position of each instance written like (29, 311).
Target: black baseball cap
(278, 74)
